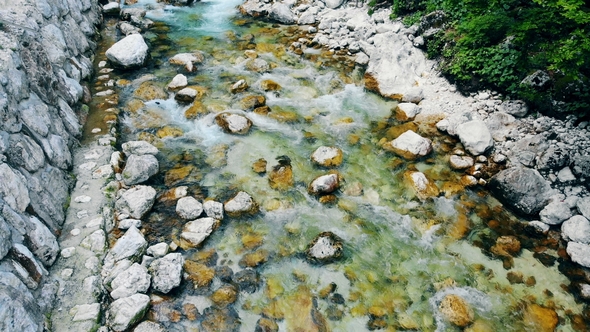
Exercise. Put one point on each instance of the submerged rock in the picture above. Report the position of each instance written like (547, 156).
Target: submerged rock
(410, 145)
(475, 137)
(269, 85)
(189, 208)
(196, 231)
(129, 52)
(148, 326)
(327, 156)
(215, 320)
(167, 272)
(325, 248)
(125, 312)
(135, 279)
(225, 296)
(522, 189)
(506, 245)
(281, 175)
(456, 310)
(258, 65)
(540, 319)
(233, 123)
(136, 201)
(423, 187)
(139, 169)
(324, 184)
(259, 166)
(242, 203)
(239, 86)
(247, 280)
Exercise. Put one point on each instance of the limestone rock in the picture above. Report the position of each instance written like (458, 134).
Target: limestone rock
(178, 82)
(95, 241)
(247, 280)
(189, 208)
(24, 151)
(127, 223)
(555, 213)
(139, 148)
(42, 242)
(406, 111)
(140, 168)
(522, 189)
(186, 95)
(14, 315)
(461, 162)
(136, 201)
(127, 311)
(129, 52)
(324, 184)
(196, 231)
(188, 60)
(158, 250)
(579, 253)
(325, 248)
(475, 137)
(213, 209)
(281, 13)
(423, 187)
(239, 86)
(131, 245)
(135, 279)
(234, 123)
(5, 238)
(84, 312)
(111, 9)
(167, 272)
(241, 203)
(410, 145)
(577, 229)
(583, 206)
(327, 156)
(13, 188)
(581, 168)
(541, 319)
(553, 158)
(258, 65)
(456, 310)
(148, 326)
(333, 4)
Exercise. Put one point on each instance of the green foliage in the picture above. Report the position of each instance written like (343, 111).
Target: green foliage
(497, 43)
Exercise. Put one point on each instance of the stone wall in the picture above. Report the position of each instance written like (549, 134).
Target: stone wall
(46, 51)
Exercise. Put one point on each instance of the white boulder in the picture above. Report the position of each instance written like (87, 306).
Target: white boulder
(127, 311)
(196, 231)
(189, 208)
(135, 279)
(576, 229)
(410, 145)
(475, 137)
(129, 52)
(167, 272)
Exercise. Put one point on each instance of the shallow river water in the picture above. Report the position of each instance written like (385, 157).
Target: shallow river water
(402, 253)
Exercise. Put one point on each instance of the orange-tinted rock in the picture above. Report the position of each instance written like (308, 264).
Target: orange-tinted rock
(225, 296)
(251, 102)
(259, 166)
(456, 310)
(540, 319)
(150, 91)
(200, 274)
(270, 85)
(506, 246)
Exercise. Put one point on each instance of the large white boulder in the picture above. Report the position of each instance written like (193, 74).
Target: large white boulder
(196, 231)
(281, 13)
(140, 168)
(139, 148)
(555, 213)
(410, 145)
(135, 279)
(131, 245)
(240, 204)
(167, 272)
(136, 201)
(579, 253)
(125, 312)
(189, 208)
(475, 137)
(577, 229)
(129, 52)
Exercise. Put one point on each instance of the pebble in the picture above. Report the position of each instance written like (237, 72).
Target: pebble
(75, 232)
(68, 252)
(82, 199)
(66, 273)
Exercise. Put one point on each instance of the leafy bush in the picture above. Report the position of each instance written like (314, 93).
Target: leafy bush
(497, 43)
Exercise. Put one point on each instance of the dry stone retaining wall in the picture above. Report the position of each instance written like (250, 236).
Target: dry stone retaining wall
(46, 51)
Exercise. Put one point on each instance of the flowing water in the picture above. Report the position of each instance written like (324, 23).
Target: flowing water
(402, 254)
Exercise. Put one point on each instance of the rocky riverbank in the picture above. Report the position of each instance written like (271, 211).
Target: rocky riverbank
(536, 165)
